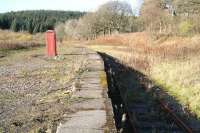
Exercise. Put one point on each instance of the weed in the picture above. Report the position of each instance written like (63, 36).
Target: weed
(103, 79)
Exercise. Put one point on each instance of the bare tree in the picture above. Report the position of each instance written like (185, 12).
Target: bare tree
(88, 26)
(156, 16)
(187, 7)
(70, 27)
(114, 15)
(60, 31)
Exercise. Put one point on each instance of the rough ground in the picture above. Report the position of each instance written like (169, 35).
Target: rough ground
(35, 91)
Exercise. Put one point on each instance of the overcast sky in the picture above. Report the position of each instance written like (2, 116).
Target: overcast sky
(74, 5)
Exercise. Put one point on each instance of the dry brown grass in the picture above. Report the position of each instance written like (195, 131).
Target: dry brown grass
(12, 40)
(8, 45)
(172, 62)
(122, 39)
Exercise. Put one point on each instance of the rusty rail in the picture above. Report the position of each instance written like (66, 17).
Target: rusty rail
(173, 116)
(178, 121)
(166, 109)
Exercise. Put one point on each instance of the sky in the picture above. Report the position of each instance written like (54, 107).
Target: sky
(72, 5)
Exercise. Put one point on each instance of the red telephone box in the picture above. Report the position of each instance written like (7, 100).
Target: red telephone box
(51, 43)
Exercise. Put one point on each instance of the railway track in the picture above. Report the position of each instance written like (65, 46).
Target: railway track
(145, 111)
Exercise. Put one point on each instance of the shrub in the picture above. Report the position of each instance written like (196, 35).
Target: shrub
(60, 31)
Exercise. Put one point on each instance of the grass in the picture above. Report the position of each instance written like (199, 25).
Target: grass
(170, 61)
(11, 40)
(181, 80)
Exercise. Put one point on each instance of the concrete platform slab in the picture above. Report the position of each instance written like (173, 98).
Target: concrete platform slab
(84, 122)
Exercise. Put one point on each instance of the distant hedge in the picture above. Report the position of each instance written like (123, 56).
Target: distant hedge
(35, 21)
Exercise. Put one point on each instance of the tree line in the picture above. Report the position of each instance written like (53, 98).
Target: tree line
(111, 17)
(171, 17)
(35, 21)
(158, 17)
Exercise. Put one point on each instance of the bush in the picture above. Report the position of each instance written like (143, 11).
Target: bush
(60, 31)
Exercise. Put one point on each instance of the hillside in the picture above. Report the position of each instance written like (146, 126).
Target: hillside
(35, 21)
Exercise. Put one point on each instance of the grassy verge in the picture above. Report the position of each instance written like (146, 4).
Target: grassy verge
(181, 80)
